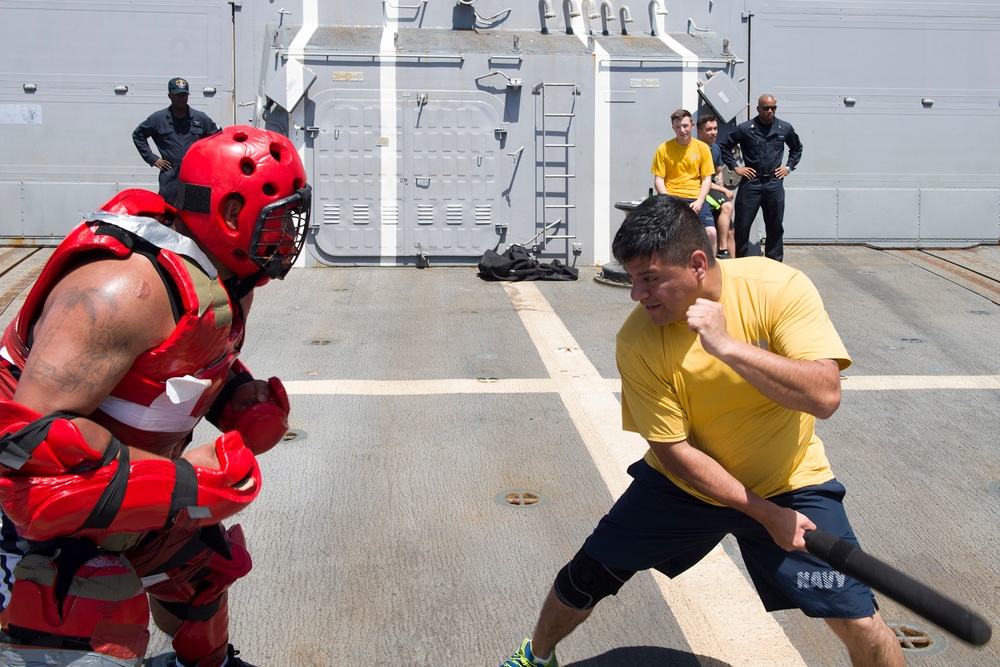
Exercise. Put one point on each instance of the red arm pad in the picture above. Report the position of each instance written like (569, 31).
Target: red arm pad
(62, 450)
(45, 507)
(262, 425)
(238, 368)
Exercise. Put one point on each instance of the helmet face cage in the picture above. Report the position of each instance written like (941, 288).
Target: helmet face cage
(280, 233)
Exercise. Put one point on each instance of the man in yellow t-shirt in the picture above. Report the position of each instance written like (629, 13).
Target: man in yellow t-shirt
(683, 167)
(725, 367)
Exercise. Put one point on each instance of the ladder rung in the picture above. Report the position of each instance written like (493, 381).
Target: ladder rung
(566, 236)
(560, 175)
(560, 115)
(560, 206)
(560, 145)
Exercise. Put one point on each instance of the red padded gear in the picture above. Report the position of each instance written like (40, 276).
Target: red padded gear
(62, 450)
(261, 166)
(45, 507)
(118, 628)
(204, 343)
(205, 642)
(262, 425)
(238, 367)
(140, 202)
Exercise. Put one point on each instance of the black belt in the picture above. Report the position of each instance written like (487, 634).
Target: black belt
(764, 178)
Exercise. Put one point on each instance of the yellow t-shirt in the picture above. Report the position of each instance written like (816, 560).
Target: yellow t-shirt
(682, 168)
(673, 390)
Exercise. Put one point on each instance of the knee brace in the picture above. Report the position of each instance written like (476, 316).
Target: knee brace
(584, 582)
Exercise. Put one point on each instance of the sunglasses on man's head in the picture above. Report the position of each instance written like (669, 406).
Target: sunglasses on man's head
(769, 108)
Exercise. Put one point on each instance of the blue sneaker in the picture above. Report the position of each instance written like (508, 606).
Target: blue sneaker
(523, 657)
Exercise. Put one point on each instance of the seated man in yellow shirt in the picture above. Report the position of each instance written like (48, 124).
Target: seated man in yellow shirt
(725, 367)
(683, 167)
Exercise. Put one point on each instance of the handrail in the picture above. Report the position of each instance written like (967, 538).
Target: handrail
(674, 59)
(283, 53)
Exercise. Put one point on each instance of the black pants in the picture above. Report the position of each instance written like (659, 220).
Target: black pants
(753, 196)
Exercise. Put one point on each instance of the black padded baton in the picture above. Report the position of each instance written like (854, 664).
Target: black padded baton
(904, 589)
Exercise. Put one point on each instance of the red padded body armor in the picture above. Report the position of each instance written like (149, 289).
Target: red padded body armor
(203, 346)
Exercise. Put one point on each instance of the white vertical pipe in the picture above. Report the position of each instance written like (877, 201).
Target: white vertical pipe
(689, 64)
(296, 54)
(389, 181)
(601, 146)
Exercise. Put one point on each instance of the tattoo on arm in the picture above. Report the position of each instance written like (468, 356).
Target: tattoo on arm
(103, 352)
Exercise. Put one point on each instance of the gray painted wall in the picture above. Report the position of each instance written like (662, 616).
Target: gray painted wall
(421, 122)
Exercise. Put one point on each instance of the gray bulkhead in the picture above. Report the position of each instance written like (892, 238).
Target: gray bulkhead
(450, 129)
(76, 78)
(433, 130)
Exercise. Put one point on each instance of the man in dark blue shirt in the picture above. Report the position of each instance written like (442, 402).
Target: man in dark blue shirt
(173, 130)
(762, 141)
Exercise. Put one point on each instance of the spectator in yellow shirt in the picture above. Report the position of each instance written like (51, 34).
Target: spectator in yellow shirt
(683, 167)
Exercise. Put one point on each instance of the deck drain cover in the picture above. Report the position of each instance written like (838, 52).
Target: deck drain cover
(520, 498)
(319, 342)
(994, 487)
(915, 638)
(294, 435)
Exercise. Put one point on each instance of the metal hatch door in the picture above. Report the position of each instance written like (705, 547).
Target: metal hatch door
(446, 180)
(450, 177)
(348, 151)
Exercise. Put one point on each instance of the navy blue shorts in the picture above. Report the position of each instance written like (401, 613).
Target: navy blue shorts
(705, 214)
(657, 525)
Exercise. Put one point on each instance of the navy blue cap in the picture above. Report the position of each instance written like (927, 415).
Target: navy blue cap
(177, 85)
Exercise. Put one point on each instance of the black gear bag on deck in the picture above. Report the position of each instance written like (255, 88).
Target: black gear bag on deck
(516, 263)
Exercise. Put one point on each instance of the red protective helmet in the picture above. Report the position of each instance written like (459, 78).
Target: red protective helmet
(264, 170)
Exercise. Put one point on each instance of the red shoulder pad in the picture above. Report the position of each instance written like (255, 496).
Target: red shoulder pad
(140, 202)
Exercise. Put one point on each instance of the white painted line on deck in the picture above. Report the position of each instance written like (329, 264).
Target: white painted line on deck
(419, 387)
(611, 385)
(911, 382)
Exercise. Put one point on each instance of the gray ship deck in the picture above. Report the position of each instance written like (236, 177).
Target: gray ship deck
(421, 398)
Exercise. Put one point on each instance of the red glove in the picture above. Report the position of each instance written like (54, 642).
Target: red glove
(262, 425)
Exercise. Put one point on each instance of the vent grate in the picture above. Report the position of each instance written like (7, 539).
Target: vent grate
(362, 214)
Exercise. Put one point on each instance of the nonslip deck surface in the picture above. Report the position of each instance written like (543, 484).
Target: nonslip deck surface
(421, 397)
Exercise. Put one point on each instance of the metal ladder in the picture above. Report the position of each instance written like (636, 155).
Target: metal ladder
(552, 155)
